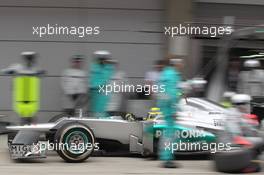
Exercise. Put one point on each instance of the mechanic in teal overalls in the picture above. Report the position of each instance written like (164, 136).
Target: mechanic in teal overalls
(101, 73)
(167, 102)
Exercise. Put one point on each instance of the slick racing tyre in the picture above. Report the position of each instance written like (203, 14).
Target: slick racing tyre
(74, 142)
(233, 161)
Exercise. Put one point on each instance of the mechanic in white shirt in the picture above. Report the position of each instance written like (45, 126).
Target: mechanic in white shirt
(74, 85)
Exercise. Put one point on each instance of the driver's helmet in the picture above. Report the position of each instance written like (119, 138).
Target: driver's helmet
(153, 113)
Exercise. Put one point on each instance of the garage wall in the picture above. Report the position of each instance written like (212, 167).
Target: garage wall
(213, 13)
(129, 29)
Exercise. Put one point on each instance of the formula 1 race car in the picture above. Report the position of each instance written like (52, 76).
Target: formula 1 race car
(76, 138)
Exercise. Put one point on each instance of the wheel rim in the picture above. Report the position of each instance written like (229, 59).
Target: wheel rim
(76, 140)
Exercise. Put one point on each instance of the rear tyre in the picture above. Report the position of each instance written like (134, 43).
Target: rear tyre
(74, 142)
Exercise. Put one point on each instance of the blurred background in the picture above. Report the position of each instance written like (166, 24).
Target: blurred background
(133, 31)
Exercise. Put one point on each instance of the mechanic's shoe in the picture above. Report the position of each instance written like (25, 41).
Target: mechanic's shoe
(170, 164)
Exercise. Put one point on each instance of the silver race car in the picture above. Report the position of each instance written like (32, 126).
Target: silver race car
(75, 138)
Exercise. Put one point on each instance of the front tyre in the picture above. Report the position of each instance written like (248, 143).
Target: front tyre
(74, 142)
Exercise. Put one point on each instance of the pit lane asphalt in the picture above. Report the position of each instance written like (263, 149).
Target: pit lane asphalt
(101, 165)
